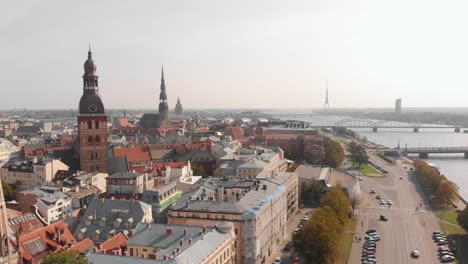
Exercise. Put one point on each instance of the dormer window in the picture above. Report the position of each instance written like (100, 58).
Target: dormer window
(89, 220)
(102, 221)
(117, 222)
(129, 222)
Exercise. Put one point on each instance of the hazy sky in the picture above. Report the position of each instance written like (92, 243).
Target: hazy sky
(236, 54)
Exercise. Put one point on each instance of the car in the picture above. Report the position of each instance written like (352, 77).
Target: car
(360, 179)
(372, 191)
(382, 202)
(365, 254)
(287, 247)
(437, 239)
(368, 251)
(437, 232)
(389, 202)
(443, 248)
(370, 248)
(378, 197)
(447, 258)
(442, 242)
(415, 254)
(371, 231)
(278, 260)
(401, 178)
(383, 218)
(445, 253)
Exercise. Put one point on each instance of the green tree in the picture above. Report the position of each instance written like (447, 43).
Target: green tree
(338, 202)
(198, 171)
(358, 153)
(318, 240)
(334, 153)
(462, 218)
(64, 256)
(8, 192)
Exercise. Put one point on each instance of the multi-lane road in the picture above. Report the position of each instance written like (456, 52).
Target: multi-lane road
(406, 228)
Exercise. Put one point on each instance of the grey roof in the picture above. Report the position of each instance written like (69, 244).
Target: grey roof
(161, 154)
(117, 164)
(194, 155)
(198, 198)
(109, 208)
(124, 175)
(253, 164)
(50, 200)
(308, 172)
(201, 246)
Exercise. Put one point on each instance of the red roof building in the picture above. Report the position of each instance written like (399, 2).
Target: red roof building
(38, 244)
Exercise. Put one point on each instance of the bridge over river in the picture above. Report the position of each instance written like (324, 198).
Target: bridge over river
(424, 152)
(379, 124)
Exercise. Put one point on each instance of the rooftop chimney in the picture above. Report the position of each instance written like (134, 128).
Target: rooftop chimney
(169, 231)
(185, 231)
(94, 215)
(181, 242)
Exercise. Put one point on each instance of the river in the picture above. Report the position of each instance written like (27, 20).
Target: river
(454, 166)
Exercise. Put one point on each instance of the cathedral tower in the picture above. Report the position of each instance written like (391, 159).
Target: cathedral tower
(163, 107)
(178, 108)
(92, 122)
(8, 254)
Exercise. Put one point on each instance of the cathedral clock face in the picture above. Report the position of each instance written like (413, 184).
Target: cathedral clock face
(92, 108)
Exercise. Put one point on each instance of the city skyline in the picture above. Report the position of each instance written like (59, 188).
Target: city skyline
(265, 54)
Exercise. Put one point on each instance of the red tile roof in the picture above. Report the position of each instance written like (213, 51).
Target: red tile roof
(25, 224)
(123, 122)
(134, 154)
(83, 245)
(38, 244)
(119, 241)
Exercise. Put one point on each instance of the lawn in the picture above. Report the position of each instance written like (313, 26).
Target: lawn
(454, 233)
(449, 216)
(346, 242)
(370, 171)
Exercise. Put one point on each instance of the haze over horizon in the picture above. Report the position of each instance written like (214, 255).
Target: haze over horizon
(242, 55)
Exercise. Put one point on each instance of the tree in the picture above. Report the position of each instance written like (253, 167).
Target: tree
(318, 240)
(462, 218)
(64, 256)
(8, 192)
(358, 153)
(338, 202)
(446, 192)
(334, 153)
(198, 171)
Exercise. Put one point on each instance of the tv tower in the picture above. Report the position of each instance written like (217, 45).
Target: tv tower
(327, 104)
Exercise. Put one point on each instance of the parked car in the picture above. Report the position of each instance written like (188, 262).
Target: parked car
(378, 197)
(382, 202)
(389, 202)
(447, 258)
(415, 254)
(445, 253)
(371, 231)
(443, 248)
(383, 218)
(287, 247)
(372, 191)
(278, 260)
(442, 242)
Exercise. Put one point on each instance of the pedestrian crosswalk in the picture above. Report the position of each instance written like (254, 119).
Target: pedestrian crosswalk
(400, 209)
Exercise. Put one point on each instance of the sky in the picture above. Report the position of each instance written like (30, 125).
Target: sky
(236, 54)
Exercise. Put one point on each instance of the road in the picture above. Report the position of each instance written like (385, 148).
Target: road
(406, 228)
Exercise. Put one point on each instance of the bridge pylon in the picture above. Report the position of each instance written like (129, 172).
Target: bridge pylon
(416, 129)
(374, 129)
(457, 130)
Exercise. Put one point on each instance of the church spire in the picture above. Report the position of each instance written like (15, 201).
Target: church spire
(163, 107)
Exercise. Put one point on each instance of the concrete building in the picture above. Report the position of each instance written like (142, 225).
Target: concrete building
(54, 207)
(398, 105)
(128, 183)
(8, 151)
(259, 209)
(161, 198)
(105, 218)
(95, 179)
(184, 243)
(28, 174)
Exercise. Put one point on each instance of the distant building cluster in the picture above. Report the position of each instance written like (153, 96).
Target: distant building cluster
(150, 187)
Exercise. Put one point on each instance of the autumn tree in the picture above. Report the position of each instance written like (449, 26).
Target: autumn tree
(64, 256)
(446, 191)
(337, 200)
(318, 240)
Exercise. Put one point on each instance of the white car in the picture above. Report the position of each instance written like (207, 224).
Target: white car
(447, 258)
(415, 254)
(382, 202)
(278, 260)
(389, 202)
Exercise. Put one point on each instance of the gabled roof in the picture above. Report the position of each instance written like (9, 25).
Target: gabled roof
(111, 210)
(133, 154)
(25, 224)
(38, 244)
(118, 241)
(82, 246)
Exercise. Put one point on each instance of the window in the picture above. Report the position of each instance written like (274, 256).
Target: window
(97, 140)
(90, 140)
(90, 124)
(91, 155)
(96, 124)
